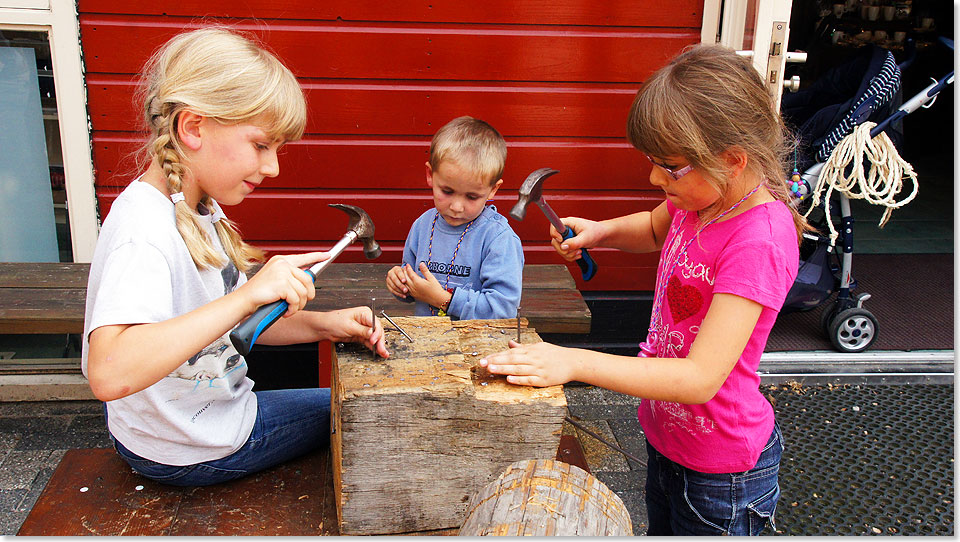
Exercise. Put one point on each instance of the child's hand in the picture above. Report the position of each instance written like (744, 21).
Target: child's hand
(358, 325)
(587, 235)
(397, 281)
(282, 278)
(540, 364)
(426, 288)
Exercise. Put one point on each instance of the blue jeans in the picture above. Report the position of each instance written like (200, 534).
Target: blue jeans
(289, 424)
(682, 501)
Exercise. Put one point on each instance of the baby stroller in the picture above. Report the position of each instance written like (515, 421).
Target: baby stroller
(822, 116)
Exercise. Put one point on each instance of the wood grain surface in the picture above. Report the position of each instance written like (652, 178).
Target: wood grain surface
(417, 434)
(94, 492)
(546, 498)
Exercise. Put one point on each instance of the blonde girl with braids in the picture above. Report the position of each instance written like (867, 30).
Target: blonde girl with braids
(167, 280)
(728, 242)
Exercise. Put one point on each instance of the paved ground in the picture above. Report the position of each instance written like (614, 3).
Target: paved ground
(858, 460)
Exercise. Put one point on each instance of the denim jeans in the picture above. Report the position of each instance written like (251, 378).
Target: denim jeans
(289, 423)
(682, 501)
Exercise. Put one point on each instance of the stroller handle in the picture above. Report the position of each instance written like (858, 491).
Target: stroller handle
(920, 99)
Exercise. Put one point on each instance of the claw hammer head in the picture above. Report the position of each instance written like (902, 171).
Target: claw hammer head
(361, 225)
(530, 191)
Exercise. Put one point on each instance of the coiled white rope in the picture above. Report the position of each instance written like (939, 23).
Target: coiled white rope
(882, 183)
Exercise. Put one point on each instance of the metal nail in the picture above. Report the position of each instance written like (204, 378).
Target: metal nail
(400, 329)
(518, 324)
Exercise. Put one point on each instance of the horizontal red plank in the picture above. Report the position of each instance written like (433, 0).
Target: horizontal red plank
(410, 51)
(269, 215)
(420, 109)
(378, 163)
(678, 13)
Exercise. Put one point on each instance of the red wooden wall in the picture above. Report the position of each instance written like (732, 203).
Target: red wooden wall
(555, 77)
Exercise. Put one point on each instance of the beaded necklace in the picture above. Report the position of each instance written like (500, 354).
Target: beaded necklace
(446, 284)
(667, 271)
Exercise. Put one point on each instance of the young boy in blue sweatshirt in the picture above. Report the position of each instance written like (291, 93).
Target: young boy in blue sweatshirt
(461, 259)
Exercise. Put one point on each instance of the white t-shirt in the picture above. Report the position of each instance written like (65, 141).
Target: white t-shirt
(142, 273)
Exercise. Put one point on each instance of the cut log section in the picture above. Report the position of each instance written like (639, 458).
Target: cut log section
(546, 498)
(416, 435)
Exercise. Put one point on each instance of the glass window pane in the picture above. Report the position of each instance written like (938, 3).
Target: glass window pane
(32, 192)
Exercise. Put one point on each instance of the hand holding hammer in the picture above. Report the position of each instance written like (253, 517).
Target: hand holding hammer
(245, 335)
(532, 191)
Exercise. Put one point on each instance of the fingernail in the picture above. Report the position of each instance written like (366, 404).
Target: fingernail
(483, 363)
(565, 246)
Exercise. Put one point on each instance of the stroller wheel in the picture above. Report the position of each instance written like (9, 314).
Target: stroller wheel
(826, 317)
(853, 330)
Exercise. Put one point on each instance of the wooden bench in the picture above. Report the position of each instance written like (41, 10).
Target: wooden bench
(50, 297)
(95, 492)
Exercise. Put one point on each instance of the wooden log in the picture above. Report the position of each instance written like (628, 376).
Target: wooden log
(546, 498)
(415, 435)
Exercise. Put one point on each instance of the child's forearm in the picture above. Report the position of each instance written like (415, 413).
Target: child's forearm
(631, 233)
(302, 327)
(676, 379)
(125, 359)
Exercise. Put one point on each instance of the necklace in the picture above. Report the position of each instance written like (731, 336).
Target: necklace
(646, 348)
(446, 284)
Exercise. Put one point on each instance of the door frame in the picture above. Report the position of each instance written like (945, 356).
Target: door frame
(58, 18)
(725, 22)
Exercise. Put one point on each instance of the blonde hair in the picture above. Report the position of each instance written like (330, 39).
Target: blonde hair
(217, 73)
(473, 144)
(704, 102)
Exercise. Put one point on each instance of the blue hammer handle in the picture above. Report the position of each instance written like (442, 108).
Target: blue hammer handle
(245, 335)
(588, 268)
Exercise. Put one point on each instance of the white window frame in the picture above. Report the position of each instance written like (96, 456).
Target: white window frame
(58, 18)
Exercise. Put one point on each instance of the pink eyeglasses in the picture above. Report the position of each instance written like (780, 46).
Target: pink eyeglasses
(675, 173)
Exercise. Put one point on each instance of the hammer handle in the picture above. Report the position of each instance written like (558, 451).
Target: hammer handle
(588, 267)
(245, 335)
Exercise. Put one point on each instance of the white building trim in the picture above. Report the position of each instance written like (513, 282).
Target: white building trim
(58, 18)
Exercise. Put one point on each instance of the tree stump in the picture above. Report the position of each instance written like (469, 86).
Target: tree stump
(414, 436)
(546, 498)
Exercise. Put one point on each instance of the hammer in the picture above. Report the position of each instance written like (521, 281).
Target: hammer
(245, 335)
(532, 190)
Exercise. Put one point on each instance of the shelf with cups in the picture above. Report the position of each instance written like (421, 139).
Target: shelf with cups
(887, 24)
(891, 35)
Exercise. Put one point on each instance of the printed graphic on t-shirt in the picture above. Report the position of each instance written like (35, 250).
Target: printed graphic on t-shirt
(230, 275)
(684, 301)
(454, 270)
(674, 416)
(211, 364)
(219, 359)
(673, 335)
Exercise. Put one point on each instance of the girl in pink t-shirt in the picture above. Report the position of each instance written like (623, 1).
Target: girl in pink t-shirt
(728, 241)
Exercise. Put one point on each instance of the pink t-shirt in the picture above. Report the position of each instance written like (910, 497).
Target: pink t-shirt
(753, 255)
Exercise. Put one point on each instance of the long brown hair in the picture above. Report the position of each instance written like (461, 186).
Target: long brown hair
(708, 100)
(223, 75)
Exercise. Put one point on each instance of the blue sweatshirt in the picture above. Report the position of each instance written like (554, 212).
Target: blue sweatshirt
(486, 276)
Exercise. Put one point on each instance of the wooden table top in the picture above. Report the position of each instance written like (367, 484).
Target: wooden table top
(50, 297)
